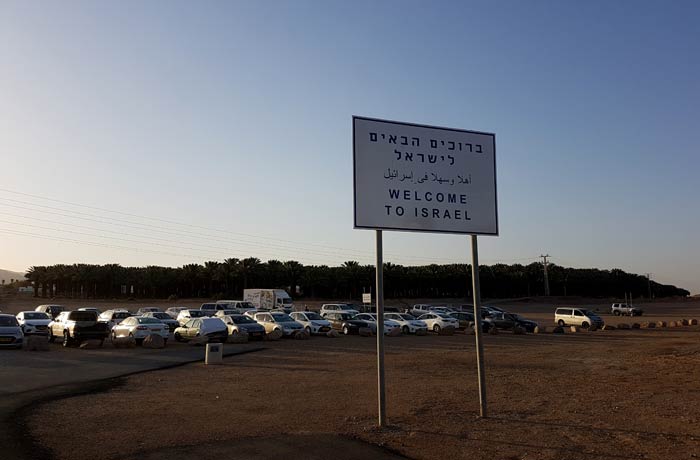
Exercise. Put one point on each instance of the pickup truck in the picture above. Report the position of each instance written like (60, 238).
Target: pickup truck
(76, 326)
(622, 309)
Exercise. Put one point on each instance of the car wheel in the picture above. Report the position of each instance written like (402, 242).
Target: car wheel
(178, 338)
(66, 339)
(561, 323)
(405, 330)
(113, 337)
(346, 331)
(585, 325)
(436, 328)
(308, 330)
(617, 313)
(51, 336)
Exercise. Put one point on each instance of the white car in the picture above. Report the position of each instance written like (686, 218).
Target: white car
(143, 310)
(278, 321)
(185, 315)
(174, 311)
(164, 318)
(337, 308)
(312, 322)
(437, 321)
(140, 327)
(389, 325)
(114, 317)
(34, 322)
(213, 329)
(442, 310)
(227, 312)
(408, 323)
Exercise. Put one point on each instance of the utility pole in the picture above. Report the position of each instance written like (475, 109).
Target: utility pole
(546, 278)
(649, 283)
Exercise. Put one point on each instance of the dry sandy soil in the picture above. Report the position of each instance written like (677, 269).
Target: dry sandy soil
(589, 395)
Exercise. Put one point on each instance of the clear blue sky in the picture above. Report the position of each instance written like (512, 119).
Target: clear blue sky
(237, 116)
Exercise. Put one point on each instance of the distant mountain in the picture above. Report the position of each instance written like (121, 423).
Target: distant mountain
(7, 275)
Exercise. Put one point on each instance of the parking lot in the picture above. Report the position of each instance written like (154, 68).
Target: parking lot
(603, 394)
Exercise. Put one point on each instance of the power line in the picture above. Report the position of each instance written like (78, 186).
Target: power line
(153, 228)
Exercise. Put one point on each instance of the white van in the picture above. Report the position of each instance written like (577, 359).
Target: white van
(571, 316)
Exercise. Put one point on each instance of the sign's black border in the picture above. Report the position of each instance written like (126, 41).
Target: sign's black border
(354, 178)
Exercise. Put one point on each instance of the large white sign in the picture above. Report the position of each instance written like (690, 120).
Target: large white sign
(424, 178)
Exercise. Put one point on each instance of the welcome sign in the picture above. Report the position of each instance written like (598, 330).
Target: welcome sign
(424, 178)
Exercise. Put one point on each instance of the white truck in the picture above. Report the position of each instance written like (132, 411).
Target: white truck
(269, 299)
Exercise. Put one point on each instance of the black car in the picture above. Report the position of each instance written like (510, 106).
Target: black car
(510, 320)
(345, 323)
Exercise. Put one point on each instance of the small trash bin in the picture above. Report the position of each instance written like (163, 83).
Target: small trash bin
(214, 353)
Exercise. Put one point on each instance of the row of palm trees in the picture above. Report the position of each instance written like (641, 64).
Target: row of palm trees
(347, 281)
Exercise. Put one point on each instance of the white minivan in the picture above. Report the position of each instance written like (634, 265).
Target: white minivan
(571, 316)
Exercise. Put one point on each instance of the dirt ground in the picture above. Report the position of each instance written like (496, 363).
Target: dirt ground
(589, 395)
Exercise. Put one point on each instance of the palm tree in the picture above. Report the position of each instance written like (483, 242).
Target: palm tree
(249, 267)
(293, 271)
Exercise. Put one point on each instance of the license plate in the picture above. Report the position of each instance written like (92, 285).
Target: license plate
(5, 339)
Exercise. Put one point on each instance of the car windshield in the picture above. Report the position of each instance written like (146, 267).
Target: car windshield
(589, 313)
(8, 321)
(313, 316)
(121, 314)
(345, 316)
(240, 319)
(147, 320)
(161, 315)
(246, 305)
(197, 314)
(443, 315)
(36, 315)
(281, 317)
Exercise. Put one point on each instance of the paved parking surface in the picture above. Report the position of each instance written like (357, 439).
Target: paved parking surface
(26, 371)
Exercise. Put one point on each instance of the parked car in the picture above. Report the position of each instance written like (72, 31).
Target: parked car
(278, 321)
(213, 328)
(76, 326)
(174, 311)
(509, 321)
(346, 323)
(114, 317)
(185, 315)
(237, 323)
(465, 319)
(437, 321)
(140, 327)
(312, 322)
(211, 308)
(33, 322)
(619, 309)
(142, 310)
(164, 318)
(408, 323)
(389, 325)
(570, 316)
(421, 309)
(227, 312)
(11, 335)
(52, 310)
(337, 307)
(240, 305)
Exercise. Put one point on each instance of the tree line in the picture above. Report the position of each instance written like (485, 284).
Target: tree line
(227, 279)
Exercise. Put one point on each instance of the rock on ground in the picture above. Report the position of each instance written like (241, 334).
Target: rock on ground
(153, 341)
(91, 344)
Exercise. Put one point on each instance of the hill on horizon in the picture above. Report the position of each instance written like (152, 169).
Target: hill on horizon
(8, 275)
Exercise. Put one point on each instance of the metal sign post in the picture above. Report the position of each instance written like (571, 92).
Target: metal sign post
(476, 291)
(380, 331)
